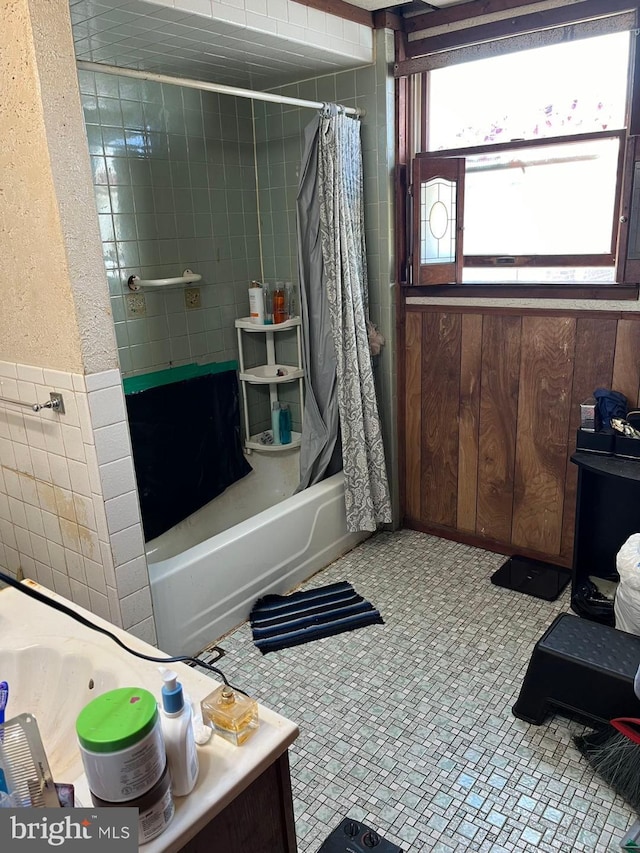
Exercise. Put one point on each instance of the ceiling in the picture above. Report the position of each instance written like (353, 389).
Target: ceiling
(236, 47)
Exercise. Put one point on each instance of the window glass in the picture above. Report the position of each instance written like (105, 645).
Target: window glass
(538, 275)
(541, 200)
(573, 87)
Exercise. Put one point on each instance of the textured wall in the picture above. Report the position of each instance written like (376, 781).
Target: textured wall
(68, 505)
(34, 286)
(71, 175)
(51, 277)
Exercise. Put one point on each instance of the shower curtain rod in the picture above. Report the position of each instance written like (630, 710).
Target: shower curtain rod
(83, 65)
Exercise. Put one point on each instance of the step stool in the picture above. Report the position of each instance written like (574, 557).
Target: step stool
(582, 667)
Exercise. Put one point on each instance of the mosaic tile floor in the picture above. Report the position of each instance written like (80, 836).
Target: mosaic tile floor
(407, 726)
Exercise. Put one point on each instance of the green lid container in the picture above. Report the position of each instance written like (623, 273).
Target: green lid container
(117, 719)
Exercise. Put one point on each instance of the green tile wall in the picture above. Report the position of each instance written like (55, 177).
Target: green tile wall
(175, 183)
(174, 179)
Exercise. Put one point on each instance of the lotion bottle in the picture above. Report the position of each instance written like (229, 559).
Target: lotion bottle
(179, 741)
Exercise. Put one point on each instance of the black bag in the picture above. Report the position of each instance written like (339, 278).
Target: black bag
(589, 602)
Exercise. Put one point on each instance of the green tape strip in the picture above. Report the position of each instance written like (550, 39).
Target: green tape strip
(134, 384)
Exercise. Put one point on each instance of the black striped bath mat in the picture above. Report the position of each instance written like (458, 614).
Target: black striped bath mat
(280, 621)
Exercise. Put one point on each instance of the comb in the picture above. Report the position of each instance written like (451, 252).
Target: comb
(24, 763)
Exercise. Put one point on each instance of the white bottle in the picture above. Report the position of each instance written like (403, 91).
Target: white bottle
(256, 303)
(179, 742)
(275, 422)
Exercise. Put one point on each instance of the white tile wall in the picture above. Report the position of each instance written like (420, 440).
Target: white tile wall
(69, 512)
(214, 35)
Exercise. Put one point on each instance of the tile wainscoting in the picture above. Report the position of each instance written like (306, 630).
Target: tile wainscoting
(69, 513)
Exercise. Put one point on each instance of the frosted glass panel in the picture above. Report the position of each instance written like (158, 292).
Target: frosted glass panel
(437, 221)
(545, 200)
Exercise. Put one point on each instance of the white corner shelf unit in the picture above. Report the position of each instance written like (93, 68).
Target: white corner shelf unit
(272, 374)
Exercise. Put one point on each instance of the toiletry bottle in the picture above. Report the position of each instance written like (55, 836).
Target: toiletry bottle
(232, 714)
(275, 422)
(177, 729)
(268, 304)
(290, 300)
(256, 303)
(279, 308)
(285, 424)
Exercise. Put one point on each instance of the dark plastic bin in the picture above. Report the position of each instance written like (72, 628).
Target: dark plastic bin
(582, 667)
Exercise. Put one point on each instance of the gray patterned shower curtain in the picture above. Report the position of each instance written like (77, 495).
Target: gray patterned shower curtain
(341, 421)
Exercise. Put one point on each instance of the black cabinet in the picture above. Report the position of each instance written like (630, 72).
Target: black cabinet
(607, 513)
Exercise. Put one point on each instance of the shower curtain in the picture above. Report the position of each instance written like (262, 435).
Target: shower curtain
(341, 421)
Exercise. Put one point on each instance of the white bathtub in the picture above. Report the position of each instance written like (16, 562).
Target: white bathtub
(201, 591)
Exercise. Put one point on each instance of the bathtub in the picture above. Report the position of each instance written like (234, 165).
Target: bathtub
(204, 580)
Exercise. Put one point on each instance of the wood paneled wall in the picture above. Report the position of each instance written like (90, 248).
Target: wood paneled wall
(491, 408)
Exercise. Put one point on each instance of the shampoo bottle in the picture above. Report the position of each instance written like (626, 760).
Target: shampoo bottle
(279, 305)
(285, 424)
(275, 422)
(179, 741)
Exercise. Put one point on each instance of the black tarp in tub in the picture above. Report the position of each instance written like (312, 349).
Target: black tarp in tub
(187, 446)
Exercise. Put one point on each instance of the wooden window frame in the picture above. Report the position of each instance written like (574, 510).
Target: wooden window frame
(414, 90)
(427, 167)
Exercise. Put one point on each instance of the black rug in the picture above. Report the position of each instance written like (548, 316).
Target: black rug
(280, 621)
(533, 577)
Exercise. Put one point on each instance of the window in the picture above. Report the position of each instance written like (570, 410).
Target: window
(519, 171)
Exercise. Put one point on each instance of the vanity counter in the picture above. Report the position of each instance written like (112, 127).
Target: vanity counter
(243, 794)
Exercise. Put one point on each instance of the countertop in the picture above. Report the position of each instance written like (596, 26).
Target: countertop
(225, 770)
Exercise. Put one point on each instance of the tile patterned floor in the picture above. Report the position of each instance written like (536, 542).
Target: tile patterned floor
(408, 726)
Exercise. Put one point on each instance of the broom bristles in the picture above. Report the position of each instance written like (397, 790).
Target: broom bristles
(616, 759)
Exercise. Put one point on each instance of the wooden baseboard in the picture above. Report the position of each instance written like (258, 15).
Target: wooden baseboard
(485, 543)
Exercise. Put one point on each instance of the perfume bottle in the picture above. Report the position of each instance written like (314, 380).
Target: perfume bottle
(231, 714)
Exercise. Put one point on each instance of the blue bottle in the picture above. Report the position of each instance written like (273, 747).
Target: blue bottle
(285, 424)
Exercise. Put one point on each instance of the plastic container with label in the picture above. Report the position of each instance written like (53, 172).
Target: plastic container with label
(155, 808)
(121, 744)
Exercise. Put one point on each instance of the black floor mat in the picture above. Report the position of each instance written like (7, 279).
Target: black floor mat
(281, 621)
(533, 577)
